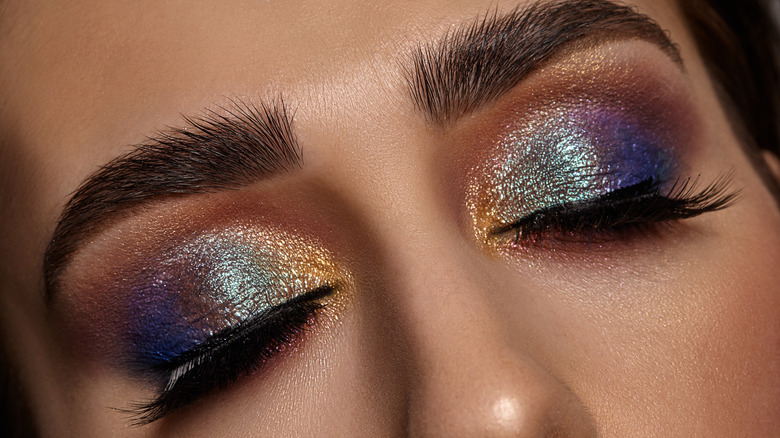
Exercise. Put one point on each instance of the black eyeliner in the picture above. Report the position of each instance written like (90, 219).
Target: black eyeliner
(229, 354)
(637, 205)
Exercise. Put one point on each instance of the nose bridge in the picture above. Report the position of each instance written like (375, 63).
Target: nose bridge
(467, 376)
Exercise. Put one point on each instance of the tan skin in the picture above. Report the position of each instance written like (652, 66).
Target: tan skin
(671, 333)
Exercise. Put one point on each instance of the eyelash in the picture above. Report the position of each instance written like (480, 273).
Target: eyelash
(619, 213)
(246, 348)
(230, 354)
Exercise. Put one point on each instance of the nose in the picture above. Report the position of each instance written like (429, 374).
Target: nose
(469, 378)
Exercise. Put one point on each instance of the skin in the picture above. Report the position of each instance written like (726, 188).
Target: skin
(675, 333)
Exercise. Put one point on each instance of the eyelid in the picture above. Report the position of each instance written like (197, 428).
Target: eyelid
(562, 162)
(166, 282)
(214, 281)
(231, 354)
(227, 285)
(575, 139)
(623, 210)
(146, 289)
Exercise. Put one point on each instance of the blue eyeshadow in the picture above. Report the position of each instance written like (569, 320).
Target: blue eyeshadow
(564, 154)
(213, 282)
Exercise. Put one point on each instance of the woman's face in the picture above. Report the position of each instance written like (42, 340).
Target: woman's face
(443, 218)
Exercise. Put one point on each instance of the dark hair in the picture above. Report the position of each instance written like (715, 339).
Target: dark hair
(740, 45)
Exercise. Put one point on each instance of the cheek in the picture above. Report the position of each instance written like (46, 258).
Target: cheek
(702, 338)
(740, 348)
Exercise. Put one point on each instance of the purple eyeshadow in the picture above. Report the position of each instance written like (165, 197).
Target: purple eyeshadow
(567, 153)
(213, 282)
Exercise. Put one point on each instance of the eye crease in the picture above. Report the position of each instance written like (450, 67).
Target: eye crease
(584, 165)
(231, 353)
(437, 219)
(196, 310)
(216, 281)
(563, 154)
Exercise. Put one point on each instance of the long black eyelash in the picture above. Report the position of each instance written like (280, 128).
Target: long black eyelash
(226, 356)
(636, 205)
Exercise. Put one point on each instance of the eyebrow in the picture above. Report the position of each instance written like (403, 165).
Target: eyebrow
(477, 63)
(240, 145)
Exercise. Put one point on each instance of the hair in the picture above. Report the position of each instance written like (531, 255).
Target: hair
(740, 44)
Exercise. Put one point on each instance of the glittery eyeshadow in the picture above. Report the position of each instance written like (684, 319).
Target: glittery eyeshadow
(566, 152)
(214, 281)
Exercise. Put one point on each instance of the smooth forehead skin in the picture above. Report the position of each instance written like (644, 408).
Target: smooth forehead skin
(432, 344)
(85, 82)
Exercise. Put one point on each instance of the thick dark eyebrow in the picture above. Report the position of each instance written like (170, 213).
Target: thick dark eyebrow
(240, 145)
(477, 63)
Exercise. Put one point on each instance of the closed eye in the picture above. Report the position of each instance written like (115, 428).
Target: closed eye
(230, 354)
(623, 210)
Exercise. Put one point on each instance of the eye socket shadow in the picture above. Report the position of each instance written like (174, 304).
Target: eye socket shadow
(213, 281)
(563, 152)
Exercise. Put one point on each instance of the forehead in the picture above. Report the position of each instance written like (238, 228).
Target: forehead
(104, 74)
(103, 64)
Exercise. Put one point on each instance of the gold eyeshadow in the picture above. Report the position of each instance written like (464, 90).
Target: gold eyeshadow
(179, 275)
(588, 127)
(215, 281)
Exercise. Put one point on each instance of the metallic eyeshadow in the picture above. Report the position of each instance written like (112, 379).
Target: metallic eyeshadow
(214, 281)
(566, 152)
